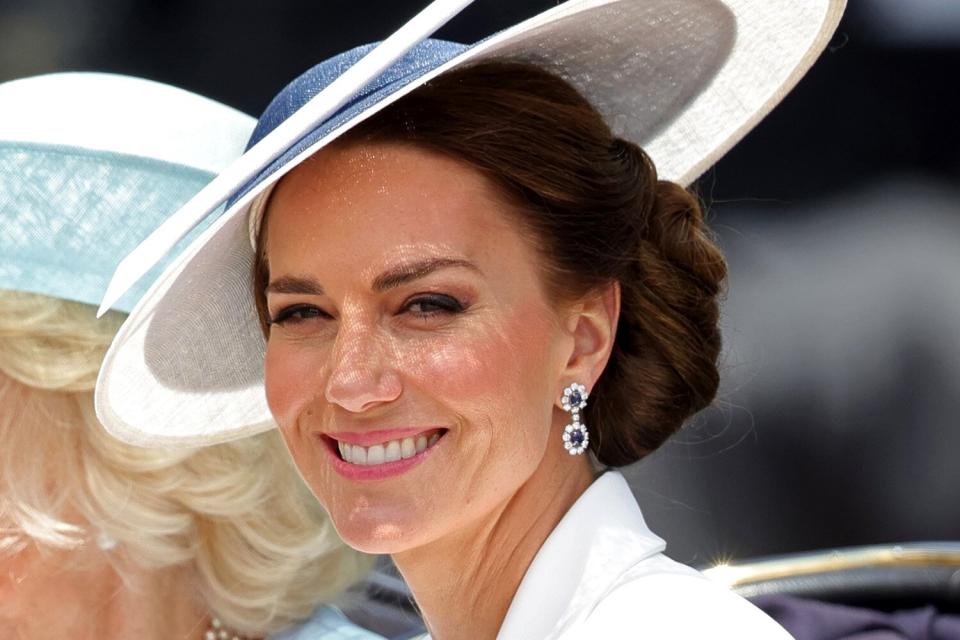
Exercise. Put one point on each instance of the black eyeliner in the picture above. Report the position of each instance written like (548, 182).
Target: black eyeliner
(446, 303)
(286, 312)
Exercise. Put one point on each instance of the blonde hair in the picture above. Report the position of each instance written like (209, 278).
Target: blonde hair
(264, 554)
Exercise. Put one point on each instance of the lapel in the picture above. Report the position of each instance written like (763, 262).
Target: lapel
(600, 538)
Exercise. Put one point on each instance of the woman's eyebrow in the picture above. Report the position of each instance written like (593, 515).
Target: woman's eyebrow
(415, 270)
(292, 284)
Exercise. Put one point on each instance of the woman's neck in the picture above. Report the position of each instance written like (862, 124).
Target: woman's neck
(465, 582)
(47, 595)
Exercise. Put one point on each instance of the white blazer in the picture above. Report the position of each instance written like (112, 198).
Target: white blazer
(602, 574)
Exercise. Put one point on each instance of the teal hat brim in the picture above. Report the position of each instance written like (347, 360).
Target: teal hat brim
(67, 215)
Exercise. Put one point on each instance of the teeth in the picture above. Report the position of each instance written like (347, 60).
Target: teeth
(375, 454)
(358, 455)
(388, 451)
(391, 453)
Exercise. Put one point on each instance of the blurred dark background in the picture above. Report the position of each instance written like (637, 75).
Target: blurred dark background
(840, 213)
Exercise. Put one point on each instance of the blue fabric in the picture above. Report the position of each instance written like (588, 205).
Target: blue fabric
(327, 623)
(421, 59)
(68, 216)
(815, 620)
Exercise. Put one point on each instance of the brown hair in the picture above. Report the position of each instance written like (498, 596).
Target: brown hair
(601, 215)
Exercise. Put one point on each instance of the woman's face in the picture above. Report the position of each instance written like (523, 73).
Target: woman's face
(413, 360)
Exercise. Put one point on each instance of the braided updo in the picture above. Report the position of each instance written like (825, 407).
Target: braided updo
(599, 214)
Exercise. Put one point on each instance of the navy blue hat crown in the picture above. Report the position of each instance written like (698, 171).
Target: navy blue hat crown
(421, 59)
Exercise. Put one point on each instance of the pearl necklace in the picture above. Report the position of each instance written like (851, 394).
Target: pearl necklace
(216, 631)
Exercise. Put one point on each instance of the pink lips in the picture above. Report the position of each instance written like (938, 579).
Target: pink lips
(363, 473)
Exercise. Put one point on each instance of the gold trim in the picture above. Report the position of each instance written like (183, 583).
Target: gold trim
(736, 575)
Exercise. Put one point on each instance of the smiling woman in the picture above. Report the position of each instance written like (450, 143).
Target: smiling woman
(465, 280)
(400, 308)
(434, 327)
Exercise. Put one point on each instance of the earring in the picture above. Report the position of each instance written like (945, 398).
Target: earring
(576, 438)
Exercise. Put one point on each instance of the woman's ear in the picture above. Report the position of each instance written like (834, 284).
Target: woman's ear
(593, 325)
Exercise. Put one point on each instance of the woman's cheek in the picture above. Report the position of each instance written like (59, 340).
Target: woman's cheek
(453, 367)
(483, 373)
(456, 366)
(289, 380)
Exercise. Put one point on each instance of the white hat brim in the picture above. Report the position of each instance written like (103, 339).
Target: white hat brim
(685, 79)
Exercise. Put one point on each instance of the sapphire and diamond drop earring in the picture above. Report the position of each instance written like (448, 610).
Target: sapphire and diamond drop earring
(575, 435)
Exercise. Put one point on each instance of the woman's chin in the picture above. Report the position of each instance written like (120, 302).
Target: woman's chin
(379, 535)
(375, 546)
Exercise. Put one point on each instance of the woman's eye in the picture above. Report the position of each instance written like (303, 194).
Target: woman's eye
(298, 313)
(433, 304)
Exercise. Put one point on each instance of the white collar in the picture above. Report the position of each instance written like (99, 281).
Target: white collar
(600, 537)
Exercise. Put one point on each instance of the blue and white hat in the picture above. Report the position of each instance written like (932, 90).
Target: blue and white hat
(90, 164)
(684, 79)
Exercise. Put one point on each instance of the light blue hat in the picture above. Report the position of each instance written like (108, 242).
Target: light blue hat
(90, 164)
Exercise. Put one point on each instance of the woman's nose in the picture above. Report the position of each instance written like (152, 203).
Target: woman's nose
(362, 373)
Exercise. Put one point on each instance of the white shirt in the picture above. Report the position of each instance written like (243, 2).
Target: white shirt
(602, 574)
